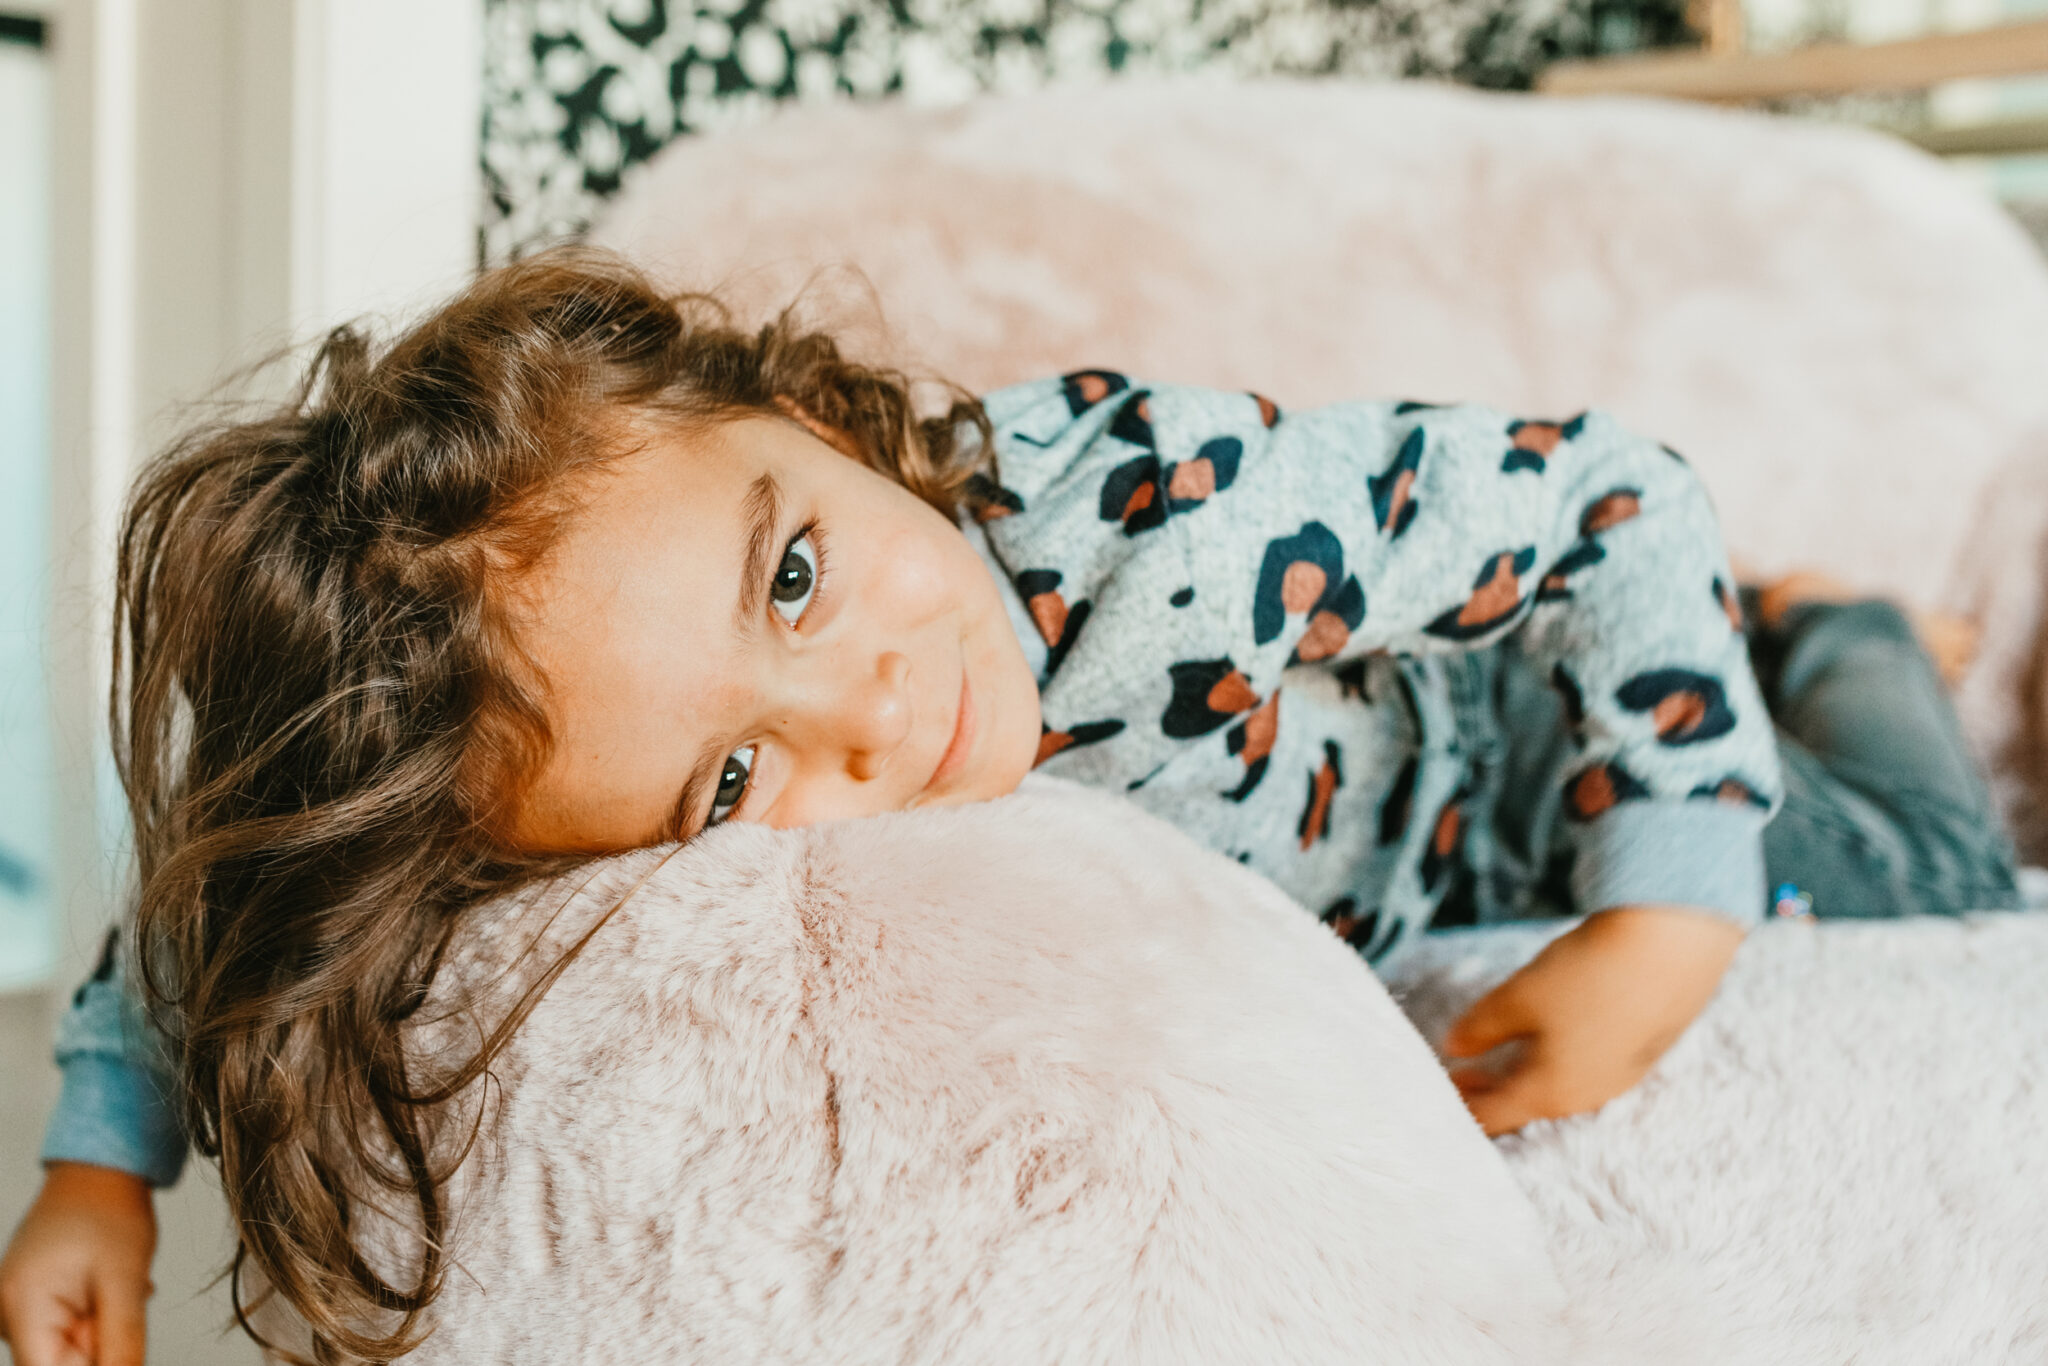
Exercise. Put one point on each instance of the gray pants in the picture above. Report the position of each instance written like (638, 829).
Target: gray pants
(1885, 813)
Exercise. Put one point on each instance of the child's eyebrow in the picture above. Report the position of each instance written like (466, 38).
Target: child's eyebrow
(762, 510)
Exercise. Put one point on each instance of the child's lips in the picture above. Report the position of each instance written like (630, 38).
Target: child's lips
(963, 739)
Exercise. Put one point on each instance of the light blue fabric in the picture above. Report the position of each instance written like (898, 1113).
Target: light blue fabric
(1643, 854)
(116, 1109)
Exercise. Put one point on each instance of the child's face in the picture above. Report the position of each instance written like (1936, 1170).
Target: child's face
(745, 624)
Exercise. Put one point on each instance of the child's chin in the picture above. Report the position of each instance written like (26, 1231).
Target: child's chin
(985, 791)
(999, 778)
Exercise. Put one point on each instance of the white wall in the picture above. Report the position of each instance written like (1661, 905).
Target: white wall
(386, 187)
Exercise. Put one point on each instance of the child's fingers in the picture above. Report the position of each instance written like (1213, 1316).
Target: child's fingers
(1493, 1019)
(1473, 1081)
(1511, 1102)
(41, 1333)
(121, 1319)
(1489, 1069)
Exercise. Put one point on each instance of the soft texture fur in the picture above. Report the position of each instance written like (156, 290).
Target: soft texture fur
(1845, 1160)
(1039, 1080)
(1029, 1081)
(1849, 344)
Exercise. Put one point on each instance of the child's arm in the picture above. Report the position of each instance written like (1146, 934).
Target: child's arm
(76, 1274)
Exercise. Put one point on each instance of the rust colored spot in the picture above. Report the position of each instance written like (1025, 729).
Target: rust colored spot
(1610, 511)
(1496, 598)
(1140, 499)
(1232, 694)
(1555, 583)
(1593, 791)
(1259, 729)
(1539, 437)
(1732, 791)
(1445, 837)
(1679, 714)
(1301, 587)
(1318, 823)
(1094, 388)
(1049, 610)
(1325, 636)
(1269, 411)
(1343, 925)
(1144, 408)
(1051, 743)
(988, 512)
(1192, 480)
(1404, 485)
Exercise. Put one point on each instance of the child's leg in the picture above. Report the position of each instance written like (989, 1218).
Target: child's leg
(1885, 813)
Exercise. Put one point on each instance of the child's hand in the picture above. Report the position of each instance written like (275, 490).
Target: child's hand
(1593, 1011)
(76, 1276)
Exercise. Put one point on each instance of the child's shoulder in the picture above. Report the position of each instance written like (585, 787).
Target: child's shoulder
(1083, 404)
(1067, 434)
(1072, 396)
(1062, 427)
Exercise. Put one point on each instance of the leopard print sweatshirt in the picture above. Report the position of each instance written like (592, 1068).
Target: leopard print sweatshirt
(1292, 634)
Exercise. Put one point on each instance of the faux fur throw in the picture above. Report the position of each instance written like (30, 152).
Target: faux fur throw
(1034, 1080)
(1040, 1080)
(1844, 1161)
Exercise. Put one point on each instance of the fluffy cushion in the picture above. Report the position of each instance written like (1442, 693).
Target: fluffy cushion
(1033, 1080)
(1039, 1080)
(1847, 341)
(1844, 1160)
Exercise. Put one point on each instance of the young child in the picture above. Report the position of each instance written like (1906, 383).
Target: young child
(573, 567)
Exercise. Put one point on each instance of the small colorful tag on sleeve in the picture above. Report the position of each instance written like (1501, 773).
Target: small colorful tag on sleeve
(1789, 903)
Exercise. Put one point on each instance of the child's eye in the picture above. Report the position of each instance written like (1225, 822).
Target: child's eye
(732, 784)
(796, 580)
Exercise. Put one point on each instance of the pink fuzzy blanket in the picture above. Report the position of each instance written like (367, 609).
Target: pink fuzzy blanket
(1040, 1080)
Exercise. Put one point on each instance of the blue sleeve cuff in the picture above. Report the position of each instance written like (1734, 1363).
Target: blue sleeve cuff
(1696, 853)
(113, 1113)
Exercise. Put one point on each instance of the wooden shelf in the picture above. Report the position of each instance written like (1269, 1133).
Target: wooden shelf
(1825, 69)
(2008, 137)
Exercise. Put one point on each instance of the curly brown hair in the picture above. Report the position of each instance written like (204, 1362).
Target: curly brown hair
(321, 718)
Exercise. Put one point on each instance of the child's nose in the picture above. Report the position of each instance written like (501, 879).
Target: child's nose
(872, 714)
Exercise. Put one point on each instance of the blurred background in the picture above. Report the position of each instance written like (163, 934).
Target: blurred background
(189, 185)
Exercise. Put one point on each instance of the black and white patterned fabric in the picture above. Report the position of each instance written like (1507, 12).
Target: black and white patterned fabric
(578, 92)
